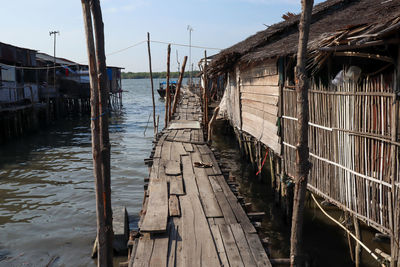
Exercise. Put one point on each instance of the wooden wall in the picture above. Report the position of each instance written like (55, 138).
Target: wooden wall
(259, 95)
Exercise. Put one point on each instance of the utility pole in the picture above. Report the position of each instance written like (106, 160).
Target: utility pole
(190, 29)
(302, 151)
(54, 33)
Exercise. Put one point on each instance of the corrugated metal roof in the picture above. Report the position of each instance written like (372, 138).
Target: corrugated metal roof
(61, 61)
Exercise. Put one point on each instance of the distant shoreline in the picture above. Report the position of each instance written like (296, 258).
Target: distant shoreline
(156, 75)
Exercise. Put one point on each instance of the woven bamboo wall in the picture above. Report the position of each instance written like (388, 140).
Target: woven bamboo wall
(350, 147)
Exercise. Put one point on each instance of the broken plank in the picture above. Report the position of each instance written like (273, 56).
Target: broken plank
(173, 203)
(177, 150)
(166, 150)
(176, 185)
(188, 147)
(155, 219)
(231, 248)
(172, 167)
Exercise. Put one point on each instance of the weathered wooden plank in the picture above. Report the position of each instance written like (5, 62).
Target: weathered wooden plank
(155, 219)
(172, 243)
(177, 150)
(266, 99)
(166, 150)
(188, 147)
(203, 149)
(173, 203)
(258, 250)
(215, 184)
(231, 248)
(197, 242)
(173, 167)
(240, 214)
(219, 244)
(210, 158)
(188, 176)
(226, 209)
(143, 251)
(210, 203)
(272, 80)
(159, 255)
(176, 185)
(261, 89)
(178, 255)
(267, 68)
(241, 243)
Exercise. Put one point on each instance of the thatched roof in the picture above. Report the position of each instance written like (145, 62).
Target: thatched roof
(328, 17)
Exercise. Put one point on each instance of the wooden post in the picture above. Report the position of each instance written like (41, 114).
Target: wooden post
(357, 250)
(99, 124)
(178, 88)
(167, 99)
(152, 85)
(302, 151)
(205, 103)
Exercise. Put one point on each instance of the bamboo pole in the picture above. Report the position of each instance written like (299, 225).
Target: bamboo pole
(205, 100)
(152, 85)
(104, 248)
(167, 99)
(105, 147)
(178, 88)
(302, 150)
(357, 249)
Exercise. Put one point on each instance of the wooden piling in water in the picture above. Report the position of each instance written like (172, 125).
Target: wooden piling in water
(151, 81)
(167, 92)
(99, 127)
(178, 87)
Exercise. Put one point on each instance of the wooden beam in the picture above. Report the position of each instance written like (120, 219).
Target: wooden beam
(151, 81)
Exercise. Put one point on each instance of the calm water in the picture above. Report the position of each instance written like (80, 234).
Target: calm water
(47, 199)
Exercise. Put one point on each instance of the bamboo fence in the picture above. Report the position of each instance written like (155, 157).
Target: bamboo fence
(350, 145)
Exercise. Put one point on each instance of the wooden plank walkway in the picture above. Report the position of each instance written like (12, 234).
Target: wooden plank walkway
(190, 217)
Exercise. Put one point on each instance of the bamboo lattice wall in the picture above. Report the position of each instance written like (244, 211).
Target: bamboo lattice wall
(350, 145)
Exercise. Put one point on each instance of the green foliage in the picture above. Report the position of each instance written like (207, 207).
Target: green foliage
(156, 75)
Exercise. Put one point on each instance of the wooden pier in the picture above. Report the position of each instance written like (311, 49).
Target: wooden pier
(190, 217)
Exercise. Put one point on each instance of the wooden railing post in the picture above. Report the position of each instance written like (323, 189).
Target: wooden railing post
(168, 95)
(152, 85)
(178, 87)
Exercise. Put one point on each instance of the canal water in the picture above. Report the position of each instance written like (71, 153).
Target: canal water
(47, 198)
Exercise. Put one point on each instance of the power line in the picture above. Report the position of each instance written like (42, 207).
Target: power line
(109, 54)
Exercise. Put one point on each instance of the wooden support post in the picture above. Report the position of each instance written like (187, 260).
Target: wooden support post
(100, 142)
(151, 81)
(168, 94)
(204, 93)
(302, 150)
(178, 87)
(357, 250)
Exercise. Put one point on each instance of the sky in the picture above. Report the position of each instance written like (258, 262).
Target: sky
(216, 24)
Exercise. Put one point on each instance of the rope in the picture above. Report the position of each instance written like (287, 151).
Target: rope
(262, 165)
(349, 232)
(101, 115)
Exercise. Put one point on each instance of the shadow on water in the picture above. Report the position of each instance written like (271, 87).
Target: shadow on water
(325, 244)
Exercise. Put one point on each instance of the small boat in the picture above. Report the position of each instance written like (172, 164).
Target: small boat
(163, 88)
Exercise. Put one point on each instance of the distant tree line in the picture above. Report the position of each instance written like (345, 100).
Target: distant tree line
(156, 75)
